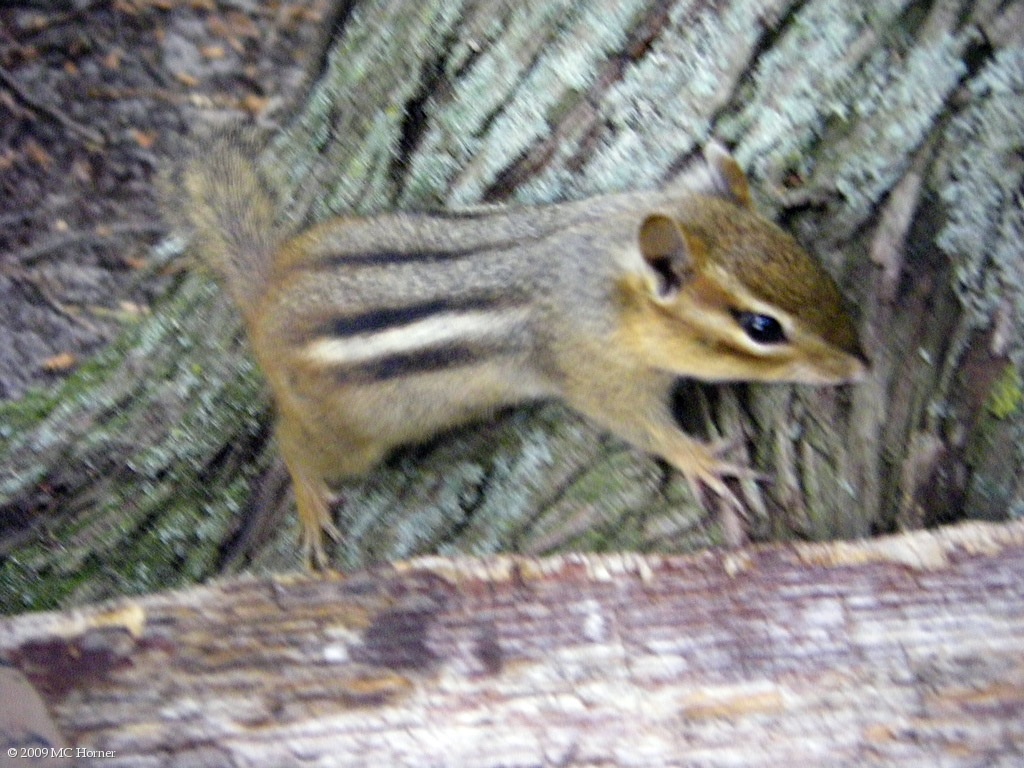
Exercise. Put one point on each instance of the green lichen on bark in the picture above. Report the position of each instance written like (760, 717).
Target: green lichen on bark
(137, 456)
(980, 189)
(1007, 394)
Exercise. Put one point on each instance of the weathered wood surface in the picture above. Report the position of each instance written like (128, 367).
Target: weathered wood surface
(886, 137)
(903, 651)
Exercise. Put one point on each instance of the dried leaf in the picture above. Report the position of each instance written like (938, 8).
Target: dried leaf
(37, 154)
(132, 308)
(60, 363)
(145, 139)
(81, 170)
(213, 52)
(254, 104)
(241, 25)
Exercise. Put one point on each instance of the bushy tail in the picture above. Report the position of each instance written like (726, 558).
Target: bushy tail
(220, 198)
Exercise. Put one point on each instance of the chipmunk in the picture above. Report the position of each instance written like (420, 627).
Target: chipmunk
(380, 331)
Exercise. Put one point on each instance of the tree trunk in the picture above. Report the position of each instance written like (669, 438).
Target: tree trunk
(892, 652)
(887, 138)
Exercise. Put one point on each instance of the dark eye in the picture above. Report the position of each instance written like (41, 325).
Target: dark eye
(763, 329)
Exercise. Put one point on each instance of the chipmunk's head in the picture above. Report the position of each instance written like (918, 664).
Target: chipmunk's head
(720, 293)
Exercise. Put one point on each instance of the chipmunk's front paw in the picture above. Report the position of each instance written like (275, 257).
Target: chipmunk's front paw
(702, 464)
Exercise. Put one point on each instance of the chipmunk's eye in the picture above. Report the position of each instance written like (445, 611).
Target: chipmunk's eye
(763, 329)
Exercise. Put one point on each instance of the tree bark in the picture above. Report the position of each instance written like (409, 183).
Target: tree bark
(898, 652)
(887, 139)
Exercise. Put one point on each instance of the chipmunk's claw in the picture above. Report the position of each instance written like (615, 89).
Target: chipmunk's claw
(313, 553)
(702, 466)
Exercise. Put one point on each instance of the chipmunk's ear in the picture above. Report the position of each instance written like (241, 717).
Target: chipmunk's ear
(728, 178)
(668, 255)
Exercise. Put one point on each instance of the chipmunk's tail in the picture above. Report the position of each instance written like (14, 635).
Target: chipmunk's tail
(220, 198)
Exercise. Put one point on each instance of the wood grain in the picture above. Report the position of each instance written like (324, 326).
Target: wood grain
(900, 651)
